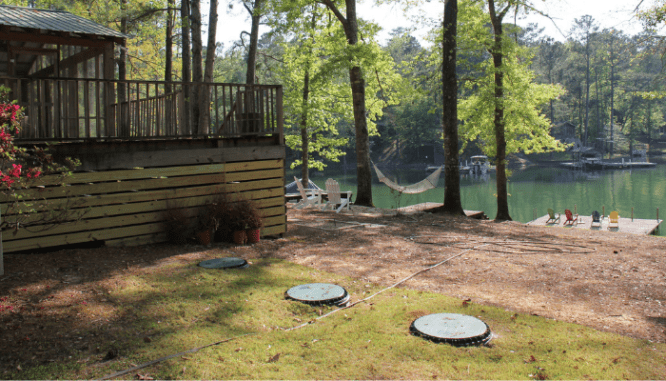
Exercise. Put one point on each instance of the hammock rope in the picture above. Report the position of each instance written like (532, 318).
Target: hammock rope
(428, 183)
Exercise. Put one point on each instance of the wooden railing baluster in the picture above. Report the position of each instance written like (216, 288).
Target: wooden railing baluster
(64, 109)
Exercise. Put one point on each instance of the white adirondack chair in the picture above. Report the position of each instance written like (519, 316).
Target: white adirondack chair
(334, 196)
(311, 199)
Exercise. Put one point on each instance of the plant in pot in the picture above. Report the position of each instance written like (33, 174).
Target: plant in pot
(237, 222)
(177, 224)
(207, 223)
(249, 220)
(224, 211)
(254, 223)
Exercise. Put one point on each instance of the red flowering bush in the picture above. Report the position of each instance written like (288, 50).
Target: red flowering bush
(20, 167)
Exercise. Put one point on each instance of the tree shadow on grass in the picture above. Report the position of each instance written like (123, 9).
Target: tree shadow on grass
(95, 307)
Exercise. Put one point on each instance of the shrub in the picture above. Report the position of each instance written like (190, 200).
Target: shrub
(20, 168)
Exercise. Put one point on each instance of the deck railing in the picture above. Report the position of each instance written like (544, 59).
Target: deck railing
(69, 109)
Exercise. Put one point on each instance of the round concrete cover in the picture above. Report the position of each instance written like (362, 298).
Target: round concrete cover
(456, 329)
(224, 263)
(318, 293)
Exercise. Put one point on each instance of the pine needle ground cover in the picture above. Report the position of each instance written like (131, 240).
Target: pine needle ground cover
(157, 311)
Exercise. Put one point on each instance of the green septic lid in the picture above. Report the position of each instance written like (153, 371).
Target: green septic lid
(225, 263)
(456, 329)
(318, 294)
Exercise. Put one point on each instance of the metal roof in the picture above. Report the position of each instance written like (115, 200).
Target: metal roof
(56, 21)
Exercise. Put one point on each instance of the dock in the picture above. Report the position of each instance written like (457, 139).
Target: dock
(600, 164)
(626, 225)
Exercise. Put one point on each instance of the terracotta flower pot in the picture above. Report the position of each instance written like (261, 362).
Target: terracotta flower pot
(205, 237)
(253, 235)
(240, 237)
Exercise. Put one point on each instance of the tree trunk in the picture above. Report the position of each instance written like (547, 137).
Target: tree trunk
(187, 63)
(649, 123)
(363, 167)
(612, 97)
(305, 141)
(211, 45)
(210, 64)
(598, 103)
(251, 74)
(363, 170)
(197, 66)
(452, 203)
(305, 169)
(587, 89)
(500, 140)
(168, 67)
(122, 74)
(168, 60)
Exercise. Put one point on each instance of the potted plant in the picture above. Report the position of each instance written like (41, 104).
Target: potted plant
(223, 210)
(253, 223)
(235, 223)
(177, 225)
(206, 225)
(246, 222)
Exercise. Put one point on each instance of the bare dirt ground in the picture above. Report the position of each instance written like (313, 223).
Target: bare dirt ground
(55, 304)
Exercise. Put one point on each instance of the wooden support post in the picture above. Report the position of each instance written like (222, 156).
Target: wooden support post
(280, 124)
(632, 214)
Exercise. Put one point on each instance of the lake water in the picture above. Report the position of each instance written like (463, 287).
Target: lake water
(644, 190)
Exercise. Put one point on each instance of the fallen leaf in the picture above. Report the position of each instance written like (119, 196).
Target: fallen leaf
(143, 377)
(274, 358)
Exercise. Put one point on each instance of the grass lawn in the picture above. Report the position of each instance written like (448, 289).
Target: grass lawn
(169, 309)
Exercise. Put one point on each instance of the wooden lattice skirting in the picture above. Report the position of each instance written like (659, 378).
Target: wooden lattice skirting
(127, 207)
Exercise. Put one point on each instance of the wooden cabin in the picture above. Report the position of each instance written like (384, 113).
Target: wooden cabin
(141, 150)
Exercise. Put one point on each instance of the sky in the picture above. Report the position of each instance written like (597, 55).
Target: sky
(616, 14)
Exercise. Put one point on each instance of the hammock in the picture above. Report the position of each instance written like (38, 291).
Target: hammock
(429, 182)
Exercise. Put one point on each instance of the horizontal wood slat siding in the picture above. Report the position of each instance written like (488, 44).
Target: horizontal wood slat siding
(126, 207)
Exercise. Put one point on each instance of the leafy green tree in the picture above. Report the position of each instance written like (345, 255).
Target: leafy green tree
(583, 31)
(313, 91)
(317, 96)
(503, 108)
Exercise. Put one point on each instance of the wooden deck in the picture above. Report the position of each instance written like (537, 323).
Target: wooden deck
(626, 225)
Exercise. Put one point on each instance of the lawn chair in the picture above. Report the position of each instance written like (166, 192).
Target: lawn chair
(613, 219)
(313, 199)
(552, 217)
(334, 196)
(596, 218)
(570, 217)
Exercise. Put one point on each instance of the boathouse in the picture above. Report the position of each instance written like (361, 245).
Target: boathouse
(140, 151)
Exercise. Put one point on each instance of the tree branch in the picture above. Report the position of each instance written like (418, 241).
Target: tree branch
(271, 57)
(248, 9)
(329, 4)
(503, 12)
